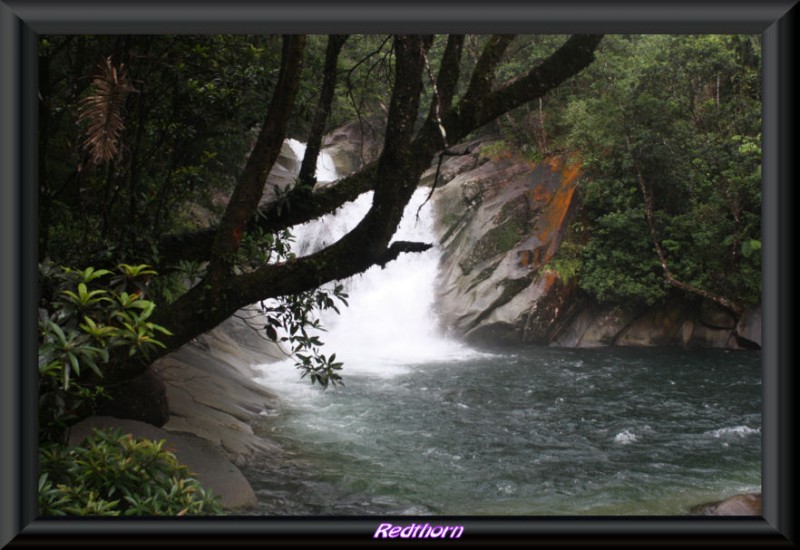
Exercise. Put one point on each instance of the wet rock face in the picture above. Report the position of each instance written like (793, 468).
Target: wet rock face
(500, 221)
(355, 144)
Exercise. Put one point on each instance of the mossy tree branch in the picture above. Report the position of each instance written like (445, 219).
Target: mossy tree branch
(393, 177)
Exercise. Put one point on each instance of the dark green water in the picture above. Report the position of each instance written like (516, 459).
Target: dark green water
(537, 432)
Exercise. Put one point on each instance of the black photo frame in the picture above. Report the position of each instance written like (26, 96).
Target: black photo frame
(22, 20)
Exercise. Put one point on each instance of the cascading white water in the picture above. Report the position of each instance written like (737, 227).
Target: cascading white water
(390, 321)
(528, 432)
(326, 169)
(391, 318)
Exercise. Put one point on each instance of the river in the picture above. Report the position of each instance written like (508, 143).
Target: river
(427, 426)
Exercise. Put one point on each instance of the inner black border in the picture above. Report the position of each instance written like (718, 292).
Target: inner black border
(22, 21)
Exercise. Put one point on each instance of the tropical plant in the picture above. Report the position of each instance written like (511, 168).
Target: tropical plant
(208, 125)
(88, 322)
(114, 474)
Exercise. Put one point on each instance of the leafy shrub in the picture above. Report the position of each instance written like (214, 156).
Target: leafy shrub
(88, 317)
(113, 474)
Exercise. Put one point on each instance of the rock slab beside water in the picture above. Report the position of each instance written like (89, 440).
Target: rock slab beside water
(211, 392)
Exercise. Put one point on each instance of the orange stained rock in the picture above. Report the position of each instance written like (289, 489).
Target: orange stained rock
(553, 215)
(525, 257)
(539, 194)
(572, 169)
(549, 278)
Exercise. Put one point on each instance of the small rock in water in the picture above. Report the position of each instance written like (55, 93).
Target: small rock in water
(748, 504)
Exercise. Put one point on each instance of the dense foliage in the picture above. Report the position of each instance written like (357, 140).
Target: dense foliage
(86, 319)
(114, 474)
(154, 149)
(684, 113)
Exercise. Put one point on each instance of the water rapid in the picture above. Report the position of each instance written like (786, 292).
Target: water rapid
(425, 426)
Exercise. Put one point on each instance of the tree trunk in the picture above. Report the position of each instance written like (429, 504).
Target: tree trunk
(394, 177)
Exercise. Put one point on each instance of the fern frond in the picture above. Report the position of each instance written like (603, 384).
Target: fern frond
(102, 111)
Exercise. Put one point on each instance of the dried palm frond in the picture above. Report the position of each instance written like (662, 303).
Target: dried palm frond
(102, 112)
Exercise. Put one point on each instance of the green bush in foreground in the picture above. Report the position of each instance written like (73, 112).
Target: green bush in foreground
(113, 474)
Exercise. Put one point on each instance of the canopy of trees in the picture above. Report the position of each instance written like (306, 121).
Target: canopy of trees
(670, 128)
(136, 128)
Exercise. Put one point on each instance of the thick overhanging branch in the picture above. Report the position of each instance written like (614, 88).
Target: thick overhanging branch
(575, 54)
(444, 86)
(299, 206)
(323, 267)
(483, 75)
(394, 179)
(399, 247)
(215, 298)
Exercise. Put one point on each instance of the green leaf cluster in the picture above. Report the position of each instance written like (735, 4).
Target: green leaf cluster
(113, 474)
(87, 319)
(293, 321)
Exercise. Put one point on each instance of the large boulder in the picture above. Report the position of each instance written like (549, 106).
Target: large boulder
(747, 504)
(597, 326)
(677, 322)
(500, 221)
(354, 144)
(658, 326)
(748, 329)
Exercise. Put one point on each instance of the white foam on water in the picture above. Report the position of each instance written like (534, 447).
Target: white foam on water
(625, 437)
(734, 431)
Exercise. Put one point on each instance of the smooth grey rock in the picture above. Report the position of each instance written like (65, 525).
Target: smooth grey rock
(211, 399)
(748, 330)
(354, 144)
(499, 222)
(704, 336)
(572, 335)
(659, 326)
(608, 324)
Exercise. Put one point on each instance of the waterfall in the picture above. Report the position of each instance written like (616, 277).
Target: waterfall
(326, 169)
(390, 322)
(424, 426)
